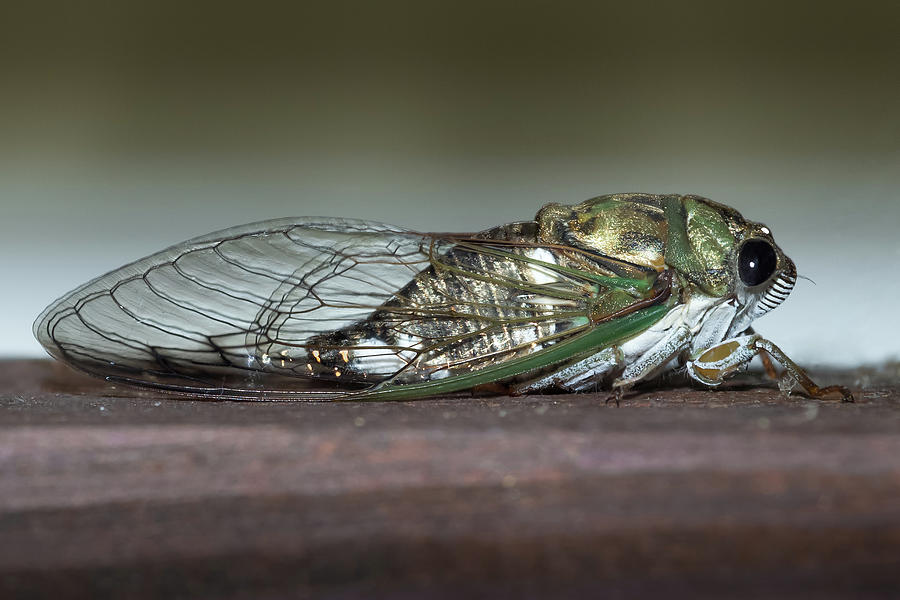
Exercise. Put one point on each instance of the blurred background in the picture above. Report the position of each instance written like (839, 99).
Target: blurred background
(128, 126)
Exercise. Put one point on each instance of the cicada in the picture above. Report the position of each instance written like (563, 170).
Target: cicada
(598, 295)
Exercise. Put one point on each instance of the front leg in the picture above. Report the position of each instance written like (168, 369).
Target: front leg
(711, 366)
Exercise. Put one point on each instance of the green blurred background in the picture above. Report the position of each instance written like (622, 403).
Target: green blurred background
(128, 126)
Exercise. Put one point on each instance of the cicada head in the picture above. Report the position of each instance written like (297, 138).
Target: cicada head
(763, 275)
(737, 258)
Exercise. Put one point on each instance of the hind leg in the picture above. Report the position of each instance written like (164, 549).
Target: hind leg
(577, 376)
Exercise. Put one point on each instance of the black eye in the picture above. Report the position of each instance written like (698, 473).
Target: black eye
(756, 262)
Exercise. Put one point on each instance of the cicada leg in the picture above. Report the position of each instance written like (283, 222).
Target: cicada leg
(714, 364)
(768, 365)
(649, 361)
(577, 376)
(586, 373)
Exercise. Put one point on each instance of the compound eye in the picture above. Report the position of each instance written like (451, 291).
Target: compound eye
(756, 262)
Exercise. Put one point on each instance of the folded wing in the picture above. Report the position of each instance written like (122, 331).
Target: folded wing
(297, 306)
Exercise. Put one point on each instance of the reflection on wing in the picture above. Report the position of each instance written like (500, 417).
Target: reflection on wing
(295, 306)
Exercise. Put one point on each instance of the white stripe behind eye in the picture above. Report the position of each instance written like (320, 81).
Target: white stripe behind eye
(776, 294)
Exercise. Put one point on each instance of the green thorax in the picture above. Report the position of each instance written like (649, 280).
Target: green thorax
(692, 235)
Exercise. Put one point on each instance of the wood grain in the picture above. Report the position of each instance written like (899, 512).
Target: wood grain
(111, 492)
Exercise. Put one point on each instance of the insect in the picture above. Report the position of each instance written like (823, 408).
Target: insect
(611, 292)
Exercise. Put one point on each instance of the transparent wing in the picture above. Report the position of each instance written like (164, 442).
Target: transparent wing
(309, 307)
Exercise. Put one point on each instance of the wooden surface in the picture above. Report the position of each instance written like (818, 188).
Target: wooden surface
(108, 492)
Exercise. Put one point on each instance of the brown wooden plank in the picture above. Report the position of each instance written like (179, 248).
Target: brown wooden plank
(108, 492)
